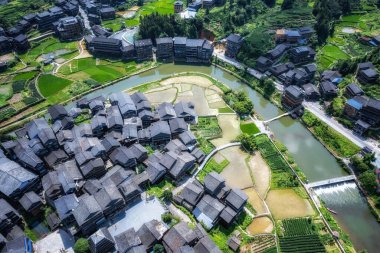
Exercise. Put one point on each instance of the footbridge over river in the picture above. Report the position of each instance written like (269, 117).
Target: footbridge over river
(331, 181)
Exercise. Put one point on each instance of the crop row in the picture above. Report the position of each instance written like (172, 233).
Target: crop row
(295, 227)
(304, 244)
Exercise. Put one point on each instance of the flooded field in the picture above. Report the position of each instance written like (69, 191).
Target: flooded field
(288, 204)
(230, 126)
(255, 201)
(237, 172)
(261, 174)
(261, 225)
(160, 96)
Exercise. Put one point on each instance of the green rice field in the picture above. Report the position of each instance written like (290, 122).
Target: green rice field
(50, 85)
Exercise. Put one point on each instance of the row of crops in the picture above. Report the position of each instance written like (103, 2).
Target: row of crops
(304, 244)
(299, 226)
(299, 236)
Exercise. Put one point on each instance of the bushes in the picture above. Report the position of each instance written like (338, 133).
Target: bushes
(248, 142)
(81, 246)
(239, 102)
(18, 86)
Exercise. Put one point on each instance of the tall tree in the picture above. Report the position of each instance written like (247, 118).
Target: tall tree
(270, 3)
(287, 4)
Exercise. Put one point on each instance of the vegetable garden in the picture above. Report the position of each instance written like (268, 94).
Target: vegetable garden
(300, 236)
(207, 127)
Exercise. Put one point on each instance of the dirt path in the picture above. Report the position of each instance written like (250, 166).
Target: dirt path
(261, 174)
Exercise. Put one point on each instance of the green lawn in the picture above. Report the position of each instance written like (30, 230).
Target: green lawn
(50, 85)
(249, 128)
(225, 110)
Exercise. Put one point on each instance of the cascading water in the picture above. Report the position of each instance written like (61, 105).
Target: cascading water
(352, 214)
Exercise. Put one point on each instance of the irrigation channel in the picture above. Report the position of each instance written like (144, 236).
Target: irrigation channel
(316, 162)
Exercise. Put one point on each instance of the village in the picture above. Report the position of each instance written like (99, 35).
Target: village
(170, 165)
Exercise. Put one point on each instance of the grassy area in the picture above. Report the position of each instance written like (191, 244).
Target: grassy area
(48, 45)
(25, 76)
(249, 128)
(343, 45)
(160, 6)
(158, 189)
(225, 110)
(211, 166)
(336, 142)
(12, 12)
(50, 85)
(220, 234)
(207, 127)
(101, 71)
(205, 145)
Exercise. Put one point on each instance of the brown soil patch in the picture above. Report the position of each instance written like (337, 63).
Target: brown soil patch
(260, 225)
(255, 201)
(218, 157)
(196, 80)
(159, 97)
(261, 173)
(288, 204)
(16, 98)
(230, 126)
(236, 173)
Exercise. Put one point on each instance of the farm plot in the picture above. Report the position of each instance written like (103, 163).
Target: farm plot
(300, 235)
(101, 71)
(281, 174)
(211, 166)
(260, 244)
(207, 127)
(50, 85)
(48, 46)
(307, 243)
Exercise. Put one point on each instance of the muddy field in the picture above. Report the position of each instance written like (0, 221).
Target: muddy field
(256, 201)
(261, 225)
(288, 204)
(230, 126)
(237, 172)
(261, 174)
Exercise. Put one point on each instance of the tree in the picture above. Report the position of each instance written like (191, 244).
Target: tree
(287, 5)
(158, 248)
(247, 141)
(269, 88)
(167, 218)
(140, 2)
(368, 181)
(270, 3)
(167, 195)
(81, 246)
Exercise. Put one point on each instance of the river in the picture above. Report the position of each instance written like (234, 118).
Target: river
(314, 160)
